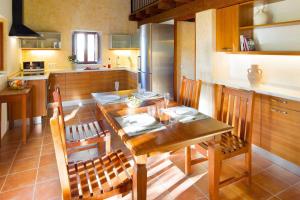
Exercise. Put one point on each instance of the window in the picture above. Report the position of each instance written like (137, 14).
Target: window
(86, 47)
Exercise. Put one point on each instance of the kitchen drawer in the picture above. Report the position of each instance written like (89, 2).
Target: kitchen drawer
(280, 132)
(280, 102)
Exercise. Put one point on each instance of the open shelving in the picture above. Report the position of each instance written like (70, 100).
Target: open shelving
(267, 37)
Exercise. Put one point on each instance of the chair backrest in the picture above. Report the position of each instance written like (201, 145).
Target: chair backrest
(60, 152)
(57, 100)
(236, 109)
(190, 92)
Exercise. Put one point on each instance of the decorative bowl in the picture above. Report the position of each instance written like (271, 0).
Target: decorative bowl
(133, 102)
(17, 84)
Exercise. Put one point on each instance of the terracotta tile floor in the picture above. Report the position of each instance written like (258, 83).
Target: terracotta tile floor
(29, 171)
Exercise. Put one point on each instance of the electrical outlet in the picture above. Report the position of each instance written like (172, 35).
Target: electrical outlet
(52, 65)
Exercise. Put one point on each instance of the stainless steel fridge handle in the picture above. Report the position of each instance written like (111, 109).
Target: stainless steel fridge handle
(139, 63)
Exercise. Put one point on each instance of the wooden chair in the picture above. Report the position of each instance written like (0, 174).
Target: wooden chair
(236, 109)
(189, 96)
(190, 92)
(98, 178)
(82, 136)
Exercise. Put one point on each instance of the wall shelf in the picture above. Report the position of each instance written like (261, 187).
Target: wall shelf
(55, 49)
(287, 53)
(277, 24)
(236, 24)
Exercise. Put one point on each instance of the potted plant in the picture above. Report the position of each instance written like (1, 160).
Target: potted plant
(73, 60)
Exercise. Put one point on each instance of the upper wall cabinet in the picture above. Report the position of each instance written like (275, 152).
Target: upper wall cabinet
(260, 27)
(48, 40)
(227, 29)
(124, 41)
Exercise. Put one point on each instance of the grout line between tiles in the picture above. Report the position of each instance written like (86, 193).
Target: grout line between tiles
(13, 160)
(37, 171)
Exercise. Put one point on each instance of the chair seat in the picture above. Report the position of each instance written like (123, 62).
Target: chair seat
(83, 132)
(100, 177)
(229, 143)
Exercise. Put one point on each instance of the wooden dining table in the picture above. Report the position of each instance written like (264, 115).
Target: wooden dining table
(172, 138)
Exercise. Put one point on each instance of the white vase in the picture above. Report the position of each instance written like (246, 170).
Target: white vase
(261, 17)
(255, 75)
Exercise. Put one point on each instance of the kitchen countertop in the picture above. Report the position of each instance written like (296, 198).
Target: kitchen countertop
(47, 73)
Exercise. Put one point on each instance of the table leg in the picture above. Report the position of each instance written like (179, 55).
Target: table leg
(0, 123)
(214, 170)
(31, 111)
(139, 188)
(24, 120)
(188, 166)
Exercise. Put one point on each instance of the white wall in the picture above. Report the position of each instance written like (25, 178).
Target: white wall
(185, 55)
(205, 53)
(11, 48)
(11, 55)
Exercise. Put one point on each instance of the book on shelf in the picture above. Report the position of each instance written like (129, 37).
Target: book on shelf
(247, 44)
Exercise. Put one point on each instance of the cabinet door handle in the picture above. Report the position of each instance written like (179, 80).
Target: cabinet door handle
(279, 111)
(227, 49)
(279, 101)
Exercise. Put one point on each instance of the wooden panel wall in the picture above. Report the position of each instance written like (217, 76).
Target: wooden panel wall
(1, 47)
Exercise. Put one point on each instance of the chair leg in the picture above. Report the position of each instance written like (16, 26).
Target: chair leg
(248, 162)
(188, 157)
(214, 171)
(108, 143)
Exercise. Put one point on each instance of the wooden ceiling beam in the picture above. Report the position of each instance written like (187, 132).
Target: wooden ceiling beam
(189, 9)
(153, 10)
(166, 4)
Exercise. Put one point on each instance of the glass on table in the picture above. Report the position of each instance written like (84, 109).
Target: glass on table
(166, 99)
(161, 115)
(117, 84)
(151, 110)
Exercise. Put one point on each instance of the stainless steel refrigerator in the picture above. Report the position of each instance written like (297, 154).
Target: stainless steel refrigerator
(156, 66)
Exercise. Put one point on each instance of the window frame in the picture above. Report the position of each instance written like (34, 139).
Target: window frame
(85, 48)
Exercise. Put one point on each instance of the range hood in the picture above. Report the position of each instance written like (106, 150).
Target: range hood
(18, 29)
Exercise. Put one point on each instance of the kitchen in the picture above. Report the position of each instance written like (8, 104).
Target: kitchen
(204, 43)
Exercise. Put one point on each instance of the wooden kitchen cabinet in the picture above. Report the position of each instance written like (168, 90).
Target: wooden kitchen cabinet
(280, 127)
(256, 129)
(80, 85)
(132, 80)
(38, 101)
(104, 81)
(227, 29)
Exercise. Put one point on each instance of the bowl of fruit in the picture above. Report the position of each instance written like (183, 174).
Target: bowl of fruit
(133, 102)
(17, 84)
